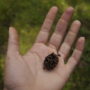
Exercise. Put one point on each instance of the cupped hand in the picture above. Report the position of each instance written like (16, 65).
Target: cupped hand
(26, 72)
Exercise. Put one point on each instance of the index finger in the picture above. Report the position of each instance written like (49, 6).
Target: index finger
(44, 32)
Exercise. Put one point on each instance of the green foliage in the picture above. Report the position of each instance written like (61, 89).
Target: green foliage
(28, 15)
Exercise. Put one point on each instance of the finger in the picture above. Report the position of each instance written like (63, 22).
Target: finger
(43, 34)
(70, 38)
(13, 44)
(74, 59)
(61, 28)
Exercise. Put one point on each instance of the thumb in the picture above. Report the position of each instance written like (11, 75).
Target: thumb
(13, 43)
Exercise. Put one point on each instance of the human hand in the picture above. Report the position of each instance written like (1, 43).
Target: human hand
(26, 72)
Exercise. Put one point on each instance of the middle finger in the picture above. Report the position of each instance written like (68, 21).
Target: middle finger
(62, 24)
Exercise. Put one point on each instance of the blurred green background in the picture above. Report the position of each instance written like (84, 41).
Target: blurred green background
(28, 15)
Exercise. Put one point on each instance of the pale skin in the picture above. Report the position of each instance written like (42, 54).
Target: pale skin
(25, 72)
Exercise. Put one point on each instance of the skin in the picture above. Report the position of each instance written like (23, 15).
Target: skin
(26, 72)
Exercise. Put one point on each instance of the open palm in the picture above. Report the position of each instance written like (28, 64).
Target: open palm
(27, 73)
